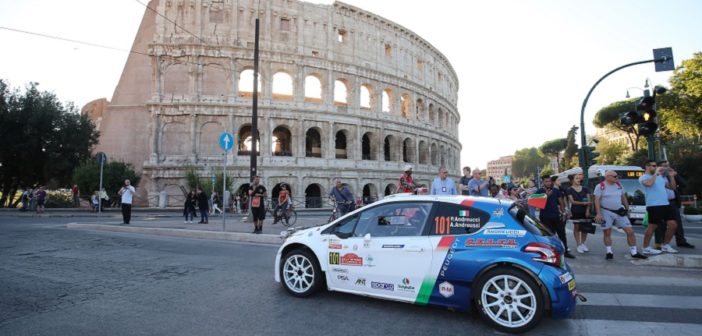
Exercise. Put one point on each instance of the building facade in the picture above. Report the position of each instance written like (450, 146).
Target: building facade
(499, 168)
(342, 93)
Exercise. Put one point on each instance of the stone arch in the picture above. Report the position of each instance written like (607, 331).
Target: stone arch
(367, 99)
(341, 144)
(175, 194)
(313, 142)
(432, 116)
(313, 196)
(387, 102)
(175, 139)
(443, 155)
(434, 154)
(390, 148)
(245, 83)
(405, 105)
(313, 89)
(409, 150)
(423, 152)
(176, 80)
(341, 92)
(420, 109)
(209, 138)
(442, 118)
(215, 80)
(244, 141)
(390, 189)
(281, 141)
(282, 86)
(369, 146)
(276, 191)
(369, 193)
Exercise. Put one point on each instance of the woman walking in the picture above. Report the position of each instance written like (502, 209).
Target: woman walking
(579, 200)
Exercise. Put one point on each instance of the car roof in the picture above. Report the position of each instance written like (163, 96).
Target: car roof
(457, 199)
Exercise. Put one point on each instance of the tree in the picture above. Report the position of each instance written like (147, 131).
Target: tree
(609, 116)
(610, 151)
(554, 148)
(680, 109)
(526, 160)
(571, 148)
(87, 176)
(43, 140)
(547, 170)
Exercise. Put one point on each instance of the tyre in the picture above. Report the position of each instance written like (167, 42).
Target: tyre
(290, 218)
(509, 300)
(300, 273)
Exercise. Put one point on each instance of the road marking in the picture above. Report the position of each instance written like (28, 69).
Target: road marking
(643, 300)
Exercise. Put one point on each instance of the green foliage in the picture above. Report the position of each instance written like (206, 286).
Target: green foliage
(571, 148)
(608, 117)
(526, 161)
(59, 199)
(610, 151)
(43, 139)
(680, 109)
(547, 170)
(635, 158)
(692, 211)
(554, 148)
(194, 180)
(87, 176)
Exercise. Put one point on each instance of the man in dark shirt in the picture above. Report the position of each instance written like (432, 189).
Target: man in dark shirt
(551, 214)
(463, 182)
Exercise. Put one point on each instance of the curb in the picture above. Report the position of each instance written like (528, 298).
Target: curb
(183, 233)
(672, 260)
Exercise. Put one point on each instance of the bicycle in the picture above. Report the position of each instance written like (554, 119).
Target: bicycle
(334, 204)
(287, 218)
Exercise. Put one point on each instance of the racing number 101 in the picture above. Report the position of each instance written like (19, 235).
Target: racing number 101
(442, 224)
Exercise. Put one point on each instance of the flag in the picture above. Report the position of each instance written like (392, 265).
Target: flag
(537, 201)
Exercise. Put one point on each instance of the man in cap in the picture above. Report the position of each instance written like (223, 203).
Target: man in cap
(406, 183)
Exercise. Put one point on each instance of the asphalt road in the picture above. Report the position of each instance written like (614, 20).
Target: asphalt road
(56, 281)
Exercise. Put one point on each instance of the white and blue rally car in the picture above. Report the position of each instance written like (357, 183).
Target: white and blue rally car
(452, 251)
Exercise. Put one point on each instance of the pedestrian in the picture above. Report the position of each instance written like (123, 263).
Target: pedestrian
(578, 197)
(442, 184)
(463, 182)
(611, 208)
(477, 186)
(258, 204)
(283, 203)
(203, 204)
(216, 202)
(551, 215)
(95, 201)
(244, 202)
(76, 196)
(343, 198)
(25, 200)
(406, 183)
(530, 190)
(657, 205)
(40, 196)
(189, 207)
(674, 200)
(514, 194)
(127, 195)
(104, 199)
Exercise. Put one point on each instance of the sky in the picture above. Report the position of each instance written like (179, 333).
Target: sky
(524, 66)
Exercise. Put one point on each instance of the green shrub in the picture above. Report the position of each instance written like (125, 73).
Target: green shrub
(59, 199)
(692, 211)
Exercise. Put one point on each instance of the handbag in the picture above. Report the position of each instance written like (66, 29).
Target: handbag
(585, 225)
(256, 202)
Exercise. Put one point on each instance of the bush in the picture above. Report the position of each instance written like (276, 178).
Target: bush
(692, 211)
(59, 199)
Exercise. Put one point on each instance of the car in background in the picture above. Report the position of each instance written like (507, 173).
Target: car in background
(458, 252)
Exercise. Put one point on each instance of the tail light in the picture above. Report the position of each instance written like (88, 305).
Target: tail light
(547, 253)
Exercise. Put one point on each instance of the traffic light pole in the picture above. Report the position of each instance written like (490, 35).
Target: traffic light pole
(583, 141)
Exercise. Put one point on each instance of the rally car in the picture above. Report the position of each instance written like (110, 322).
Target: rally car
(458, 252)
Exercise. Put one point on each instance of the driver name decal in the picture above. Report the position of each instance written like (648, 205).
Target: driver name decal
(482, 242)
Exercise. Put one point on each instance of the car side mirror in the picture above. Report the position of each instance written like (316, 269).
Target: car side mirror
(367, 238)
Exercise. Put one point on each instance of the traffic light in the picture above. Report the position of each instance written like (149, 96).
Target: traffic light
(629, 118)
(589, 155)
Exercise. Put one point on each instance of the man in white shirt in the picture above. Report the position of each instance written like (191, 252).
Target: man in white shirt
(443, 185)
(127, 193)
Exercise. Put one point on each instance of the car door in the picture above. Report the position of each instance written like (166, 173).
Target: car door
(388, 255)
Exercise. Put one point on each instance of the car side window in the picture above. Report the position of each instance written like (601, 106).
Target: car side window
(345, 228)
(456, 219)
(394, 219)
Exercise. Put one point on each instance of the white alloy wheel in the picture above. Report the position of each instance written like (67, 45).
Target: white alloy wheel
(300, 273)
(510, 300)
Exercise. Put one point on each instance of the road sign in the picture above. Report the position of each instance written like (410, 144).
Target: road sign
(226, 141)
(101, 157)
(666, 57)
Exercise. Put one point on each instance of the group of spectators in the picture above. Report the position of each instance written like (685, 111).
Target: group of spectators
(34, 200)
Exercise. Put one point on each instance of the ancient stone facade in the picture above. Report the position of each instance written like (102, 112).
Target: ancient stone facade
(343, 93)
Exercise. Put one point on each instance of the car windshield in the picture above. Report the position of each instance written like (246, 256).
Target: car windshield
(530, 223)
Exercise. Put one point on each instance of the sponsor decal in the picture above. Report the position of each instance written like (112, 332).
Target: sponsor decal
(406, 286)
(446, 289)
(481, 242)
(369, 261)
(443, 224)
(499, 212)
(449, 257)
(571, 285)
(505, 232)
(334, 244)
(360, 282)
(334, 258)
(393, 246)
(382, 285)
(565, 277)
(340, 270)
(463, 213)
(351, 259)
(342, 277)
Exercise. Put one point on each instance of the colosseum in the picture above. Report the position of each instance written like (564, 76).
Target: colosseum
(342, 93)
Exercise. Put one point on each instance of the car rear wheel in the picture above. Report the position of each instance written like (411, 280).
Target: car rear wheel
(300, 273)
(510, 300)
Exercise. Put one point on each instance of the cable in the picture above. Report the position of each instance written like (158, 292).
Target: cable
(171, 21)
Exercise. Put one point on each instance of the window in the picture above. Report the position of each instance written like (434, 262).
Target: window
(456, 219)
(345, 228)
(342, 36)
(388, 50)
(285, 24)
(394, 220)
(531, 224)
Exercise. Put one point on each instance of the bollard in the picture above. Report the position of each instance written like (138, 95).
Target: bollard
(162, 199)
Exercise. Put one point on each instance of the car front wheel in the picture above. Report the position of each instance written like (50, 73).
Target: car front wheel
(300, 273)
(510, 300)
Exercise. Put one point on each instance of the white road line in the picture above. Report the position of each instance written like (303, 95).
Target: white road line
(583, 278)
(618, 328)
(643, 300)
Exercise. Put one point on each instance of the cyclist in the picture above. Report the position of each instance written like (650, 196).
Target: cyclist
(406, 183)
(283, 203)
(343, 198)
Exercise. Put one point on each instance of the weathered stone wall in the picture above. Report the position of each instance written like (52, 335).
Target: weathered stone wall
(169, 108)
